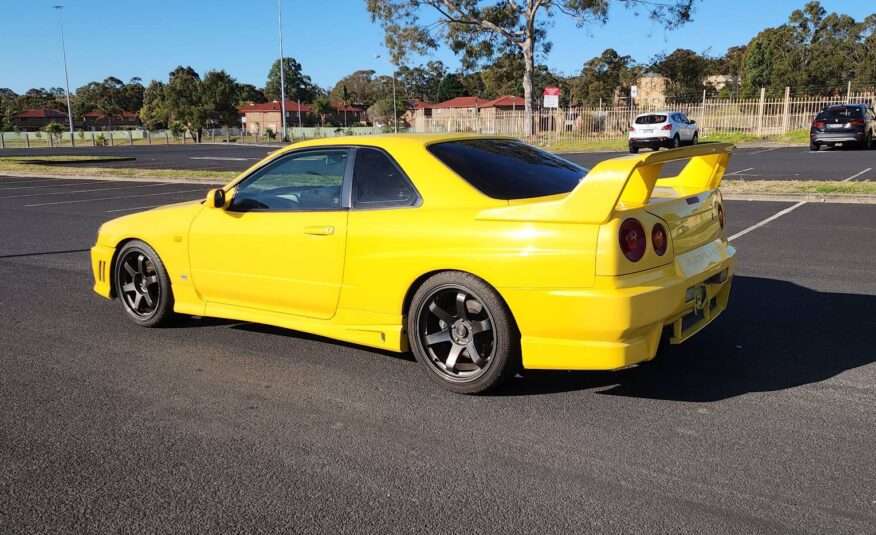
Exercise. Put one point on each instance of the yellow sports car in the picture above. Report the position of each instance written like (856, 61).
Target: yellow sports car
(480, 254)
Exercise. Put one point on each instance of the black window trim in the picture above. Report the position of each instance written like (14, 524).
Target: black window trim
(383, 205)
(346, 185)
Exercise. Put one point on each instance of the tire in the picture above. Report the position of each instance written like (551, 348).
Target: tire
(141, 283)
(695, 139)
(676, 142)
(867, 144)
(814, 147)
(454, 314)
(634, 150)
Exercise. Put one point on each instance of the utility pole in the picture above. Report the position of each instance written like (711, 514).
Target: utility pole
(282, 76)
(66, 77)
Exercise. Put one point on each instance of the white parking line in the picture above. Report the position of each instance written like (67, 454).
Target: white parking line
(82, 191)
(226, 158)
(767, 220)
(60, 185)
(132, 209)
(114, 198)
(738, 172)
(856, 175)
(761, 151)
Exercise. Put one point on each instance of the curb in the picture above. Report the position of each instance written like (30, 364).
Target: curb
(832, 198)
(193, 180)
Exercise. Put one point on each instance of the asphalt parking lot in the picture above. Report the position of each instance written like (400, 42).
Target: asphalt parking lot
(783, 163)
(762, 423)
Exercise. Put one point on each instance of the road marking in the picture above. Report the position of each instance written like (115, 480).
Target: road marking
(226, 158)
(856, 175)
(61, 185)
(761, 151)
(135, 208)
(114, 198)
(43, 180)
(738, 172)
(767, 220)
(82, 191)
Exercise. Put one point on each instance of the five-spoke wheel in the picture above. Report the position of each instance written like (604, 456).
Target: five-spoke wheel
(141, 284)
(463, 333)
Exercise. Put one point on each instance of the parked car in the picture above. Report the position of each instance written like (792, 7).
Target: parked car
(480, 254)
(669, 129)
(844, 124)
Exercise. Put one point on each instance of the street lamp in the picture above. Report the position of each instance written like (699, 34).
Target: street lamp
(394, 110)
(66, 77)
(282, 77)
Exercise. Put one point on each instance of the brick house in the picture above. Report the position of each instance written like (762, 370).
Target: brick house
(259, 117)
(94, 120)
(35, 119)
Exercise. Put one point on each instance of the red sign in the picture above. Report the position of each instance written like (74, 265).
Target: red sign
(552, 91)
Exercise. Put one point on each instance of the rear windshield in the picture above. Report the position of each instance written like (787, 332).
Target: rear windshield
(839, 114)
(650, 119)
(506, 169)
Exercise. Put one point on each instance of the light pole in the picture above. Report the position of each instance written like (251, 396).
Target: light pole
(282, 77)
(394, 110)
(66, 77)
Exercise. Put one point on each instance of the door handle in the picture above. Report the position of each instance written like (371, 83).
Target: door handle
(319, 230)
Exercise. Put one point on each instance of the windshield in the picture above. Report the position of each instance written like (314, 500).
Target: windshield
(508, 169)
(840, 115)
(650, 119)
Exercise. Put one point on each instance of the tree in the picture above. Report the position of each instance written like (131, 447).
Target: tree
(686, 69)
(154, 112)
(601, 77)
(362, 87)
(53, 129)
(249, 94)
(219, 96)
(322, 106)
(381, 112)
(296, 84)
(183, 96)
(480, 31)
(422, 81)
(450, 87)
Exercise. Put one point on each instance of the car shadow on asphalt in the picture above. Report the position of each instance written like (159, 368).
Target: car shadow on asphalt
(774, 335)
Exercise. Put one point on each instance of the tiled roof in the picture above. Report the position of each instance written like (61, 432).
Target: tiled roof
(291, 107)
(40, 113)
(471, 102)
(506, 100)
(98, 115)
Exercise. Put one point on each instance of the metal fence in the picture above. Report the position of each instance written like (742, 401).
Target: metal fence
(10, 140)
(759, 117)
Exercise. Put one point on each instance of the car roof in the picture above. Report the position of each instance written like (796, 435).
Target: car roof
(386, 141)
(838, 106)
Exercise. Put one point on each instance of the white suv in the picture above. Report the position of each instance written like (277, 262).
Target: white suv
(668, 129)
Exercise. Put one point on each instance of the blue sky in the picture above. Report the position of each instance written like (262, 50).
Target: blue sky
(330, 38)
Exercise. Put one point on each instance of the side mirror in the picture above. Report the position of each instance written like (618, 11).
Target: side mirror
(216, 198)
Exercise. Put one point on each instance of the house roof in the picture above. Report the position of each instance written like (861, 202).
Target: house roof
(98, 115)
(291, 107)
(471, 102)
(417, 104)
(40, 113)
(506, 100)
(341, 107)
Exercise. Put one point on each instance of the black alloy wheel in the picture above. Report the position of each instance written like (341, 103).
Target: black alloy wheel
(142, 285)
(463, 333)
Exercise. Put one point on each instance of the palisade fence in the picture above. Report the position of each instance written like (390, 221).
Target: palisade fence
(759, 117)
(10, 140)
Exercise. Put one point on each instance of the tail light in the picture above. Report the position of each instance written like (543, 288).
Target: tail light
(667, 127)
(818, 124)
(658, 239)
(632, 239)
(632, 128)
(721, 215)
(858, 123)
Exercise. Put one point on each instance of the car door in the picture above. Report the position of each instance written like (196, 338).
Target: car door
(683, 128)
(279, 245)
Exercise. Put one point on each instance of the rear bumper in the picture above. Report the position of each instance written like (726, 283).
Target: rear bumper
(619, 321)
(101, 262)
(837, 137)
(650, 142)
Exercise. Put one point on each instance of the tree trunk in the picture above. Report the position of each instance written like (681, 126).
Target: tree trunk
(528, 63)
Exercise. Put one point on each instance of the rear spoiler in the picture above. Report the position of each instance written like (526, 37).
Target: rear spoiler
(628, 180)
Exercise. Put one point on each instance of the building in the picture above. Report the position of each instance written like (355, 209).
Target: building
(259, 117)
(35, 119)
(720, 81)
(652, 88)
(95, 120)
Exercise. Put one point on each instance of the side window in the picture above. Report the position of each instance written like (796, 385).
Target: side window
(378, 182)
(682, 117)
(309, 180)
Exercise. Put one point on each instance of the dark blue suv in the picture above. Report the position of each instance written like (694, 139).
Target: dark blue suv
(844, 124)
